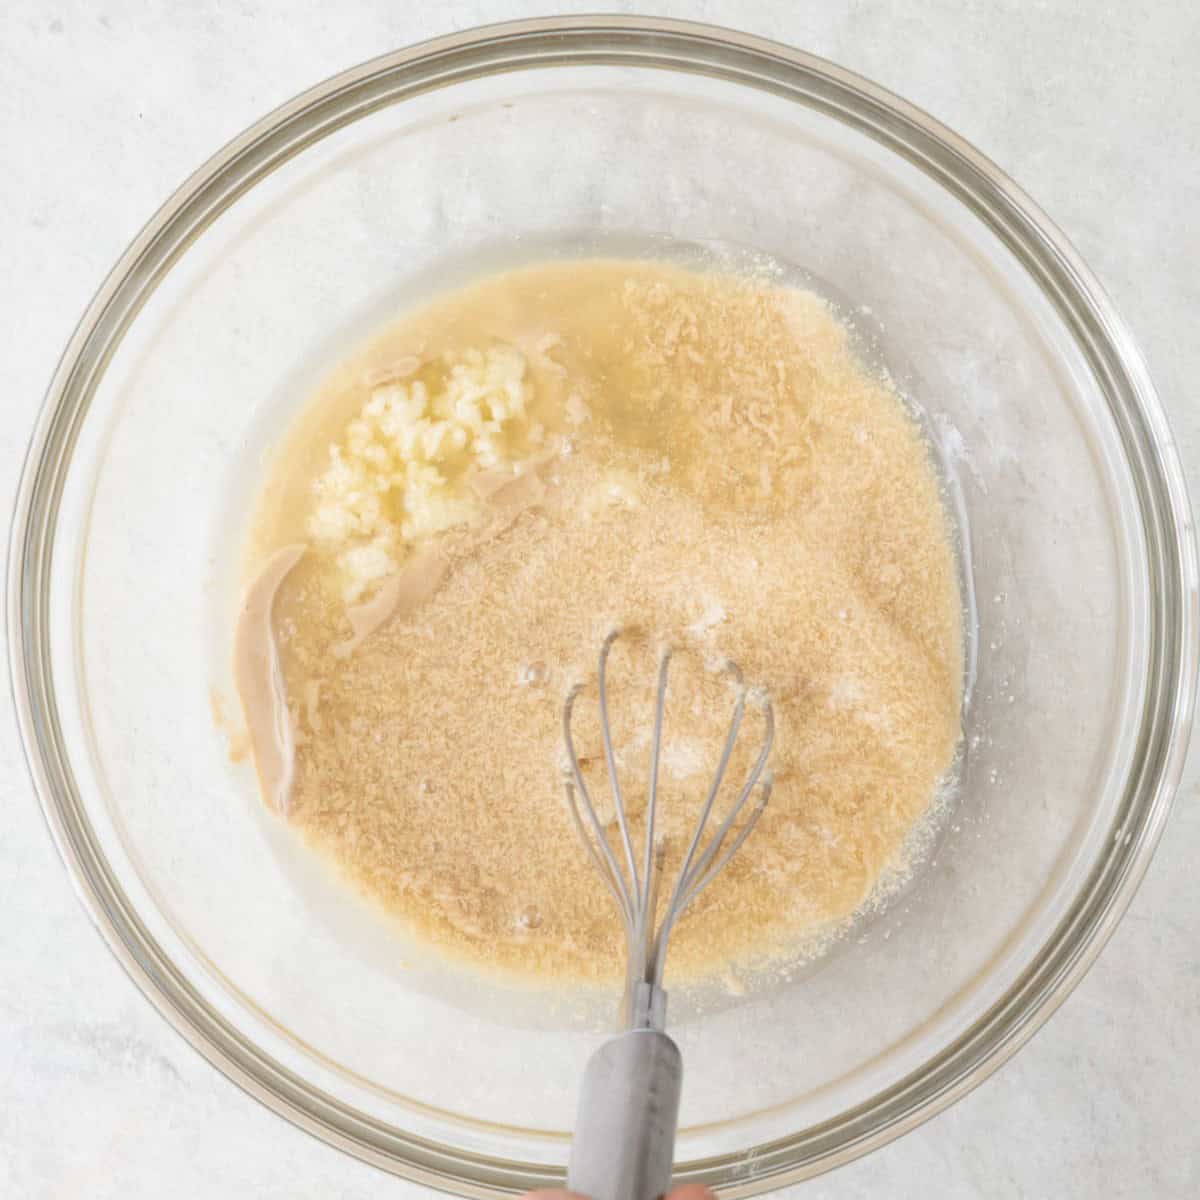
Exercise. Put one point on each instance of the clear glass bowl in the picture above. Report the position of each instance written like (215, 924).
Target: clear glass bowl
(402, 176)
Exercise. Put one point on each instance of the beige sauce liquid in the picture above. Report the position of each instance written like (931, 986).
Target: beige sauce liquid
(729, 478)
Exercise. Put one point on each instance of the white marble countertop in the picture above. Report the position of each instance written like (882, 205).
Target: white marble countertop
(1092, 107)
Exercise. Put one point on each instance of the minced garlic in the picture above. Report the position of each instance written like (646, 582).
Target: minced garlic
(395, 477)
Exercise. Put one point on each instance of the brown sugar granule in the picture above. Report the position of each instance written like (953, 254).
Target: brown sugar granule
(729, 478)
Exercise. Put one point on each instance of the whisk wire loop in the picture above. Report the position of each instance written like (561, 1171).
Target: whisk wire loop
(636, 894)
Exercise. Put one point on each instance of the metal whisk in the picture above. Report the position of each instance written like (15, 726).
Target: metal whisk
(624, 1141)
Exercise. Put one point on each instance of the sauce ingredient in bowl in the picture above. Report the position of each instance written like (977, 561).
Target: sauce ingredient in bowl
(493, 481)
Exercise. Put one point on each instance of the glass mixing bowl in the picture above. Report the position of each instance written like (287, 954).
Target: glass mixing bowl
(403, 176)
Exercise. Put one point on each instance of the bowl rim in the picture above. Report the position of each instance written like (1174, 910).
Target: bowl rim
(689, 47)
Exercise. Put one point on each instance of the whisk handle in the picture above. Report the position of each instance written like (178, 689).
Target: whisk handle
(624, 1143)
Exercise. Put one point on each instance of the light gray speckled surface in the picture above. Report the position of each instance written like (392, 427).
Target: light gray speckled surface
(106, 107)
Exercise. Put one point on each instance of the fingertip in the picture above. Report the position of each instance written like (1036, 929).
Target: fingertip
(691, 1191)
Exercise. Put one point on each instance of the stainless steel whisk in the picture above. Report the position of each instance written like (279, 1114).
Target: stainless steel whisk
(624, 1142)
